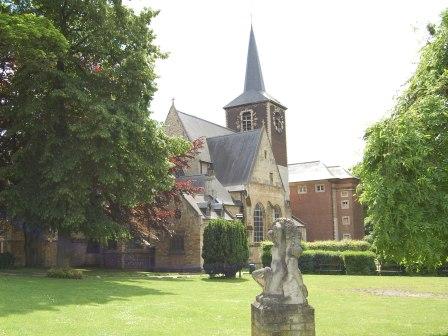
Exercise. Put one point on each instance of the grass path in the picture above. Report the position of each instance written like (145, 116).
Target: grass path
(117, 303)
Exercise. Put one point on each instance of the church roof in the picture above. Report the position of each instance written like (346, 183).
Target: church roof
(211, 187)
(254, 89)
(197, 127)
(316, 170)
(233, 156)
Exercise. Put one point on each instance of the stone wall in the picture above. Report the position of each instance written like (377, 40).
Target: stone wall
(261, 190)
(191, 227)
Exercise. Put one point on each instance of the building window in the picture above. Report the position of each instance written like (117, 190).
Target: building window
(271, 178)
(93, 246)
(346, 236)
(344, 204)
(277, 212)
(302, 189)
(258, 223)
(320, 188)
(265, 154)
(345, 220)
(344, 193)
(246, 121)
(177, 244)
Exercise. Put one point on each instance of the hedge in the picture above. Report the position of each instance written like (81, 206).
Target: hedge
(328, 262)
(319, 261)
(225, 250)
(6, 260)
(341, 246)
(359, 262)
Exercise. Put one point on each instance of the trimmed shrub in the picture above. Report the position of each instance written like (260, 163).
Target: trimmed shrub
(6, 260)
(359, 262)
(306, 262)
(342, 245)
(65, 273)
(324, 262)
(266, 256)
(225, 250)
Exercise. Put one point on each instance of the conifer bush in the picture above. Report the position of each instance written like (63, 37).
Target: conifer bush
(225, 250)
(65, 273)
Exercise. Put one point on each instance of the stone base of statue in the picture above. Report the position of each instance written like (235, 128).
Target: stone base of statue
(282, 309)
(270, 317)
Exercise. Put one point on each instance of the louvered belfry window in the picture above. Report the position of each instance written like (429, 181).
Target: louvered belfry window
(258, 223)
(246, 121)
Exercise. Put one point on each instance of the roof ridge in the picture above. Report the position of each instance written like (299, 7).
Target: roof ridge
(291, 164)
(236, 133)
(210, 122)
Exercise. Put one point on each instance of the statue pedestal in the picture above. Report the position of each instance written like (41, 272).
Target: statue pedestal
(278, 319)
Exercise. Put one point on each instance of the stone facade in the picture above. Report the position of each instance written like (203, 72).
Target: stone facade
(188, 231)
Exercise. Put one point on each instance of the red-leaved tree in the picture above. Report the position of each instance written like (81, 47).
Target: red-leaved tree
(157, 217)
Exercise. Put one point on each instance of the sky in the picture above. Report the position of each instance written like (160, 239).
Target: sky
(336, 65)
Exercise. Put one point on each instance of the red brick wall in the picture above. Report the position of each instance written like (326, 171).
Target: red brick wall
(314, 209)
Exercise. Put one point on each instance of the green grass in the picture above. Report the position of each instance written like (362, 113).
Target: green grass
(119, 303)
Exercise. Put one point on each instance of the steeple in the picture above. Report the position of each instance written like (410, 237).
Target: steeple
(254, 89)
(254, 76)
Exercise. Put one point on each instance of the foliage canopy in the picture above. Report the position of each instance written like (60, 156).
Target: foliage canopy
(78, 149)
(404, 172)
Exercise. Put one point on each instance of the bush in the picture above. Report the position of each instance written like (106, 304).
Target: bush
(266, 256)
(341, 246)
(6, 260)
(225, 249)
(317, 261)
(65, 273)
(359, 262)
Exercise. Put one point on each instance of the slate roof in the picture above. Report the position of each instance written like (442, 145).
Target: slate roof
(197, 127)
(234, 155)
(211, 187)
(314, 171)
(283, 171)
(254, 89)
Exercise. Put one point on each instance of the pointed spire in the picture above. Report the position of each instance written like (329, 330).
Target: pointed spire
(254, 77)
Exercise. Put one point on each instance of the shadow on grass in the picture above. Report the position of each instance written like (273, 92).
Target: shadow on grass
(444, 334)
(222, 279)
(23, 294)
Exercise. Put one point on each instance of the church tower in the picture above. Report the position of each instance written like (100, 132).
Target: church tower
(255, 107)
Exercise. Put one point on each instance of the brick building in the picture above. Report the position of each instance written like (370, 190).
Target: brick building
(323, 197)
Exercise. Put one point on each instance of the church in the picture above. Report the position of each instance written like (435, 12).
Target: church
(242, 174)
(242, 171)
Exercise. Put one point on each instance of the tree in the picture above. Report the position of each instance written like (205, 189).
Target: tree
(404, 172)
(78, 150)
(225, 249)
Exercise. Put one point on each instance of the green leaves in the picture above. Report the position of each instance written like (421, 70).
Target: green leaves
(404, 172)
(85, 151)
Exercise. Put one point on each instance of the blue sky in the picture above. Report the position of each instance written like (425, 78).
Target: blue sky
(336, 65)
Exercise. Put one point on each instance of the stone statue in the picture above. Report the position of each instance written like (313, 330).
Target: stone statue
(282, 282)
(282, 308)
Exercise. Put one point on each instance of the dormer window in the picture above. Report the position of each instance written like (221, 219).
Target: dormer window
(247, 121)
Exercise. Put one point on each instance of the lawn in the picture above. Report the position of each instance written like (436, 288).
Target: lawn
(117, 303)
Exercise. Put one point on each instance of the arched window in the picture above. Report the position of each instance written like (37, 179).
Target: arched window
(277, 212)
(258, 223)
(246, 121)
